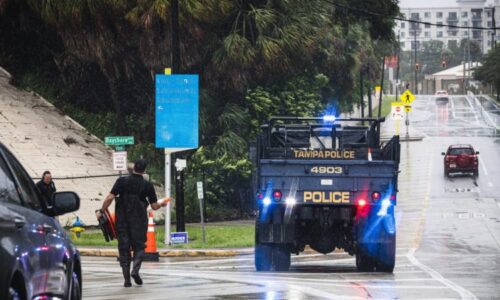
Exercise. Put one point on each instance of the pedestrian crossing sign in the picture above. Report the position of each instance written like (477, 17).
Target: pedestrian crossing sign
(407, 97)
(407, 108)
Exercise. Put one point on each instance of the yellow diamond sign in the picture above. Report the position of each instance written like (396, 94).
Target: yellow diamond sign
(408, 108)
(407, 97)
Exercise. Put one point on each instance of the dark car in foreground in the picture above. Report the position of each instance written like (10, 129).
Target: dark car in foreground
(461, 159)
(37, 259)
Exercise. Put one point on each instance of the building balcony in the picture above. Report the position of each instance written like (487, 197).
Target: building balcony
(452, 20)
(477, 34)
(477, 17)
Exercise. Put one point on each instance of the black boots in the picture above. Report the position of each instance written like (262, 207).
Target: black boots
(126, 276)
(137, 266)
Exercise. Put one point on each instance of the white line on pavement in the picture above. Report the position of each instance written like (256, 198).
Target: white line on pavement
(481, 163)
(277, 278)
(464, 294)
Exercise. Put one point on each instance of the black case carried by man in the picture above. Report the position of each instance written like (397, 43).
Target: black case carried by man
(107, 225)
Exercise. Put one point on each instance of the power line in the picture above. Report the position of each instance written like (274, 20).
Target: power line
(407, 20)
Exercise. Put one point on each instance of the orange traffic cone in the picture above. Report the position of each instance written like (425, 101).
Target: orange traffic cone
(151, 253)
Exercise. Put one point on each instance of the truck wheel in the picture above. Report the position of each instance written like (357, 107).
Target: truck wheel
(364, 263)
(389, 255)
(281, 258)
(263, 257)
(476, 173)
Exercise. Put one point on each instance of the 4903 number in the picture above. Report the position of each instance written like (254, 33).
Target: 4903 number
(326, 170)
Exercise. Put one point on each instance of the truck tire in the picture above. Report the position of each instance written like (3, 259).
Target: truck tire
(388, 250)
(364, 263)
(281, 258)
(263, 257)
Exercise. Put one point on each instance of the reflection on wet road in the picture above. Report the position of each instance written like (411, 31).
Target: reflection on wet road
(448, 240)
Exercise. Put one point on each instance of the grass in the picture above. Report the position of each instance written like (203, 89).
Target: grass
(386, 106)
(218, 236)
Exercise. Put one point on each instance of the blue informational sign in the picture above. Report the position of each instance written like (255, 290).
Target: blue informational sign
(179, 238)
(177, 98)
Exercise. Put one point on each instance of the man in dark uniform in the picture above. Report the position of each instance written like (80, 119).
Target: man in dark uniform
(47, 187)
(133, 195)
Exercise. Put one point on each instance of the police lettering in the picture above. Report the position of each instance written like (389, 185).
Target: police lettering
(332, 154)
(327, 197)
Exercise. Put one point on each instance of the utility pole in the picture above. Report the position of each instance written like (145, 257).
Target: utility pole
(415, 65)
(175, 63)
(397, 67)
(369, 94)
(381, 88)
(468, 59)
(176, 51)
(464, 87)
(361, 93)
(493, 24)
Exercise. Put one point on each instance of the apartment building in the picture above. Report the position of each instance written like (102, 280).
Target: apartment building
(476, 13)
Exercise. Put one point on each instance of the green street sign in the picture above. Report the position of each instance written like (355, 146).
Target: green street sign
(120, 148)
(119, 140)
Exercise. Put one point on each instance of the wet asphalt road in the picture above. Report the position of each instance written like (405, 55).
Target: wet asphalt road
(448, 242)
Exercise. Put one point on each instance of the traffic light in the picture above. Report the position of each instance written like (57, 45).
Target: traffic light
(417, 66)
(443, 63)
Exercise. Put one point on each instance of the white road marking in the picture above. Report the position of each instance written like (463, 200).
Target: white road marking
(279, 279)
(481, 163)
(464, 294)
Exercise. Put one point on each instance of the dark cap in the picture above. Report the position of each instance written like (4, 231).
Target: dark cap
(140, 165)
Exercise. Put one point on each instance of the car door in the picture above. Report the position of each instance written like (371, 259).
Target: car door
(45, 273)
(20, 240)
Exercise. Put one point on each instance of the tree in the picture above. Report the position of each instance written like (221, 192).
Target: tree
(430, 56)
(489, 71)
(255, 58)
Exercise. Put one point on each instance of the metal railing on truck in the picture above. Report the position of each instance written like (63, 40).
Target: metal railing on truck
(282, 135)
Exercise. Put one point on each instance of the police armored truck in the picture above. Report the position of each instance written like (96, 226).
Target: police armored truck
(328, 183)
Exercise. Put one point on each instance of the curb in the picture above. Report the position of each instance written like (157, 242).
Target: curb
(113, 252)
(411, 139)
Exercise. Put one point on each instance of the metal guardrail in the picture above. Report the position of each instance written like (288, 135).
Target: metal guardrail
(491, 114)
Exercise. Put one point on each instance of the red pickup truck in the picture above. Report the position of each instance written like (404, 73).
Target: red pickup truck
(461, 159)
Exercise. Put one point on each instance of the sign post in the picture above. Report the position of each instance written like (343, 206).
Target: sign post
(407, 98)
(199, 189)
(176, 116)
(397, 114)
(120, 155)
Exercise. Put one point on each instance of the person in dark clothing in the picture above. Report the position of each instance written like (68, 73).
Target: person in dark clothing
(133, 195)
(46, 187)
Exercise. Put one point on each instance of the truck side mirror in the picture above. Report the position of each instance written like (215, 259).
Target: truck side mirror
(477, 152)
(442, 153)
